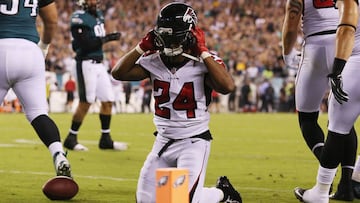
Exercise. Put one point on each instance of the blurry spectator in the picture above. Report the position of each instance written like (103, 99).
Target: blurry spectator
(146, 98)
(269, 97)
(244, 101)
(283, 100)
(261, 93)
(266, 95)
(231, 101)
(325, 103)
(127, 90)
(215, 102)
(291, 99)
(51, 85)
(70, 87)
(11, 103)
(118, 89)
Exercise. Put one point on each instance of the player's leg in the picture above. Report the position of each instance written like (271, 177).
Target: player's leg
(311, 85)
(4, 86)
(194, 156)
(30, 73)
(86, 80)
(146, 186)
(341, 120)
(71, 141)
(356, 179)
(344, 189)
(105, 94)
(347, 117)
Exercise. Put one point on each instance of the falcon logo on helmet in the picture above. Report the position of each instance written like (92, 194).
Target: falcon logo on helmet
(190, 16)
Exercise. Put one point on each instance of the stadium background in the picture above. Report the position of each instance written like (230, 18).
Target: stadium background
(245, 33)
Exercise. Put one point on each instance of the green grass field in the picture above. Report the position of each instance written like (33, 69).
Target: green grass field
(264, 156)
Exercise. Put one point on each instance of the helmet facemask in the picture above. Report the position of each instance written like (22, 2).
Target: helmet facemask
(173, 44)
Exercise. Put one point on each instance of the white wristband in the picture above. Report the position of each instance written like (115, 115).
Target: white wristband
(44, 47)
(139, 50)
(292, 59)
(205, 54)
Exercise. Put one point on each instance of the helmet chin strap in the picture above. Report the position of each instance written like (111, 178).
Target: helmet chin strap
(173, 51)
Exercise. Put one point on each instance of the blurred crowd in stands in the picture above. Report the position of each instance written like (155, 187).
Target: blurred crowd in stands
(245, 33)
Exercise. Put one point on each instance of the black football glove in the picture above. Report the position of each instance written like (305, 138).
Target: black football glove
(336, 88)
(336, 82)
(111, 37)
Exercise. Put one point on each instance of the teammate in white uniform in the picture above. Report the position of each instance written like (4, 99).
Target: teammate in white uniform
(343, 103)
(181, 89)
(319, 24)
(19, 38)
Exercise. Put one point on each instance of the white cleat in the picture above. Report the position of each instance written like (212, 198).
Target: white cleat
(310, 196)
(120, 146)
(62, 165)
(80, 147)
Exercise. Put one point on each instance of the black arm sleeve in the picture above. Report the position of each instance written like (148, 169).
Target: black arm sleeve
(84, 41)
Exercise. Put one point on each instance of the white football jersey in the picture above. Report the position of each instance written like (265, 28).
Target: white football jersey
(181, 97)
(319, 16)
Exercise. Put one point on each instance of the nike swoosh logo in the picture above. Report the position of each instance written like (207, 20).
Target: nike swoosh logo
(194, 141)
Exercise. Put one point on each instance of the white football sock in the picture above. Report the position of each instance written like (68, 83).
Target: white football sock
(55, 147)
(325, 178)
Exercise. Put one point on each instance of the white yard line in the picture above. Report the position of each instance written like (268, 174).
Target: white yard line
(77, 176)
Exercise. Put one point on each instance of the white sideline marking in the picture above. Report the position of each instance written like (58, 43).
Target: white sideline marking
(29, 141)
(7, 145)
(76, 176)
(26, 141)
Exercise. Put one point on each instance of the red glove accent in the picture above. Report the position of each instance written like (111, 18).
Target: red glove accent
(147, 43)
(200, 41)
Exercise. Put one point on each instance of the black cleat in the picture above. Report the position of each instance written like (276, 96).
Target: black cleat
(343, 193)
(299, 192)
(71, 143)
(230, 194)
(342, 196)
(107, 143)
(356, 188)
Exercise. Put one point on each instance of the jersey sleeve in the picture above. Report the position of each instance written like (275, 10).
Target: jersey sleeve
(43, 3)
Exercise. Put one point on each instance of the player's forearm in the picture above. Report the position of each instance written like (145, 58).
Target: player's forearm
(124, 68)
(291, 24)
(288, 42)
(220, 79)
(345, 39)
(345, 36)
(49, 17)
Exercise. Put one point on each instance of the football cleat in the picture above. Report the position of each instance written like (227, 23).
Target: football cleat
(343, 193)
(120, 146)
(346, 196)
(71, 143)
(80, 147)
(62, 165)
(356, 188)
(299, 192)
(307, 196)
(230, 194)
(107, 143)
